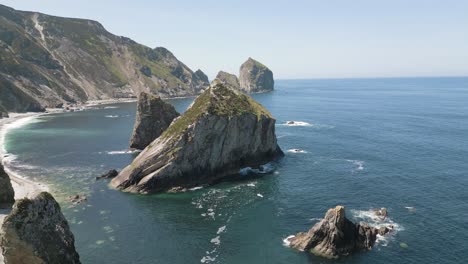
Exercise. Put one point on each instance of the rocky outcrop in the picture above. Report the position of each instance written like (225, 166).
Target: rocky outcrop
(3, 112)
(228, 79)
(108, 175)
(152, 118)
(336, 236)
(255, 77)
(48, 60)
(7, 194)
(223, 131)
(36, 232)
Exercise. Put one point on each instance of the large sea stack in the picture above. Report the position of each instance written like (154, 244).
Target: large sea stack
(153, 117)
(255, 77)
(36, 232)
(336, 236)
(7, 194)
(223, 131)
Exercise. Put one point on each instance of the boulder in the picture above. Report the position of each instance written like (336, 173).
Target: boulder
(108, 175)
(223, 131)
(336, 236)
(152, 118)
(7, 194)
(36, 232)
(228, 79)
(255, 77)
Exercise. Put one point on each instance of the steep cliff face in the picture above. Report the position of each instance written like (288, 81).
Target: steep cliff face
(228, 79)
(222, 131)
(48, 60)
(36, 232)
(336, 236)
(153, 117)
(255, 77)
(7, 194)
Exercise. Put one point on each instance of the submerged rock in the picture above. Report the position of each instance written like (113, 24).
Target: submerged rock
(255, 77)
(336, 236)
(7, 194)
(153, 117)
(108, 175)
(223, 131)
(36, 232)
(228, 79)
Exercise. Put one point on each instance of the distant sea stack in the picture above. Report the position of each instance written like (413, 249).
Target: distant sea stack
(36, 232)
(336, 236)
(48, 60)
(152, 118)
(255, 77)
(7, 194)
(228, 79)
(223, 131)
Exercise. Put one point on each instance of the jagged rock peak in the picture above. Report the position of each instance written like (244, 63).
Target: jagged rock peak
(36, 232)
(228, 79)
(336, 236)
(223, 131)
(255, 77)
(152, 118)
(7, 194)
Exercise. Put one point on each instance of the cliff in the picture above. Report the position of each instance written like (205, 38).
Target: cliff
(223, 131)
(48, 60)
(255, 77)
(7, 194)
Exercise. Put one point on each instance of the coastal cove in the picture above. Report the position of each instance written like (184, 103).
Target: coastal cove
(364, 143)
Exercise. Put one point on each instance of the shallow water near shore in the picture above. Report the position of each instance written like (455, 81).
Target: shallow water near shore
(398, 143)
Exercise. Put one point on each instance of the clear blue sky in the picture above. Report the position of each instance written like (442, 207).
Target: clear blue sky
(296, 39)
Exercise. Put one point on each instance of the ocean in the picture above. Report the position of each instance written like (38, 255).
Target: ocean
(398, 143)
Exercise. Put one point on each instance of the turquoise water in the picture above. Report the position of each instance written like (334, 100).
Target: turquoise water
(395, 143)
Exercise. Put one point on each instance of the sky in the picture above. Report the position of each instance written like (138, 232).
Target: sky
(296, 39)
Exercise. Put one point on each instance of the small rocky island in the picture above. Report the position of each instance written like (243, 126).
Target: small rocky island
(36, 232)
(153, 117)
(336, 236)
(254, 77)
(223, 131)
(7, 194)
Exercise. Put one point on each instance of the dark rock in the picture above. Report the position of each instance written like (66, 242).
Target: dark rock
(36, 232)
(223, 131)
(255, 77)
(146, 71)
(77, 199)
(382, 213)
(153, 117)
(336, 236)
(228, 79)
(7, 194)
(108, 175)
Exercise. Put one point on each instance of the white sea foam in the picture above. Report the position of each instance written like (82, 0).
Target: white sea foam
(358, 163)
(374, 220)
(251, 184)
(216, 240)
(111, 107)
(111, 116)
(316, 219)
(286, 241)
(13, 125)
(221, 230)
(207, 259)
(296, 151)
(297, 123)
(259, 195)
(120, 152)
(196, 188)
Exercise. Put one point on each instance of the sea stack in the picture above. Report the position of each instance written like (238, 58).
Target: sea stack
(152, 118)
(254, 77)
(222, 131)
(7, 194)
(36, 232)
(228, 79)
(336, 236)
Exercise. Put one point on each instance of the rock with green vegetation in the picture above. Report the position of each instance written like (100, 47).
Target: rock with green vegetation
(48, 60)
(255, 77)
(223, 131)
(36, 232)
(7, 194)
(228, 79)
(335, 236)
(152, 118)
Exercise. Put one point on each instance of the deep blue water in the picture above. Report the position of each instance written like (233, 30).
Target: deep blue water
(398, 143)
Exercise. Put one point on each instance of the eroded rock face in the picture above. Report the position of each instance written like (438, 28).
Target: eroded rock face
(36, 232)
(223, 131)
(228, 79)
(7, 194)
(153, 117)
(336, 236)
(255, 77)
